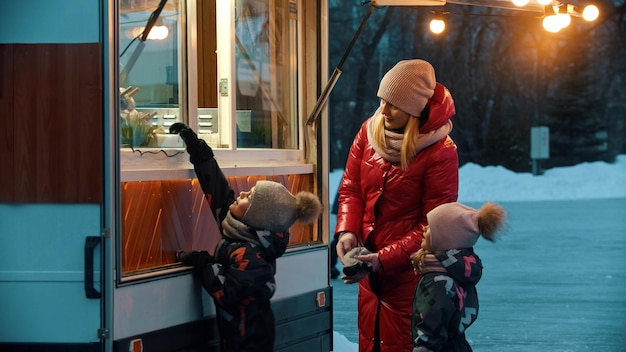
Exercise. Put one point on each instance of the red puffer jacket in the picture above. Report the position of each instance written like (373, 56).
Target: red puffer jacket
(386, 208)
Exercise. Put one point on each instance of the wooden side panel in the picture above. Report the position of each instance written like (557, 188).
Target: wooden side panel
(25, 117)
(207, 56)
(90, 122)
(162, 217)
(7, 142)
(51, 100)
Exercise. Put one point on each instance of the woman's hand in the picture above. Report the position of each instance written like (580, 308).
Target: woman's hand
(345, 243)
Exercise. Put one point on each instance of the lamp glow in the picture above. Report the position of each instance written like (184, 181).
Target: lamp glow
(551, 24)
(520, 3)
(563, 19)
(591, 13)
(562, 15)
(437, 25)
(544, 2)
(409, 2)
(158, 33)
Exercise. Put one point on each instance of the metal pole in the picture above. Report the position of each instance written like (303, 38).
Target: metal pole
(321, 101)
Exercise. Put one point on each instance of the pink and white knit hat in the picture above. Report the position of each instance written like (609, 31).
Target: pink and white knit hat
(409, 85)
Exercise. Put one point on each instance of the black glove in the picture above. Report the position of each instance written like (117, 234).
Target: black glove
(197, 148)
(353, 279)
(177, 127)
(186, 133)
(195, 258)
(355, 270)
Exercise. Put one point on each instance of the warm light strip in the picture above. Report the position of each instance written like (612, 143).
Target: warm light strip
(409, 2)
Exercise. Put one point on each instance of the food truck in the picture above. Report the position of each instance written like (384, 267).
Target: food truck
(96, 196)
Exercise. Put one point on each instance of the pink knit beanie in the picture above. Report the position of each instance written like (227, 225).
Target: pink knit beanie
(455, 225)
(408, 85)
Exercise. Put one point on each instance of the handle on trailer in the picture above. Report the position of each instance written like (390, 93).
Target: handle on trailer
(91, 242)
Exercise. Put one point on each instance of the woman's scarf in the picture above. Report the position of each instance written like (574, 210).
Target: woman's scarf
(391, 151)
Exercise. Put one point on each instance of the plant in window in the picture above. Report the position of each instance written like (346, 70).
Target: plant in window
(136, 128)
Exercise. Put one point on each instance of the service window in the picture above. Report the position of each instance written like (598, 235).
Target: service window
(152, 80)
(247, 74)
(229, 69)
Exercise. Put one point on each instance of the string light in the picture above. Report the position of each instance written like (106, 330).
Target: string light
(520, 3)
(591, 13)
(560, 16)
(437, 25)
(556, 15)
(550, 21)
(563, 17)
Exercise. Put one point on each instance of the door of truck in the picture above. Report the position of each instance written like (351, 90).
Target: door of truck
(52, 184)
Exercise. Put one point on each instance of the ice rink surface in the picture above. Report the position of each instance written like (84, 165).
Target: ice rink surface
(555, 282)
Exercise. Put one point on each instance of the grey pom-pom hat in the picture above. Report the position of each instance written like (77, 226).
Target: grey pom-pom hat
(274, 208)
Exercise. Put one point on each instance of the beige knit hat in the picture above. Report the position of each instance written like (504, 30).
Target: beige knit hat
(408, 85)
(455, 225)
(273, 207)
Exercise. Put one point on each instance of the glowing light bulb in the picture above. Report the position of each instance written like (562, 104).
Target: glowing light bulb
(551, 24)
(520, 3)
(437, 26)
(591, 13)
(563, 19)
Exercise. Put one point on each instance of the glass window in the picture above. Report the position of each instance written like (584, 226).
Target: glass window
(263, 69)
(230, 70)
(246, 59)
(265, 39)
(151, 65)
(162, 217)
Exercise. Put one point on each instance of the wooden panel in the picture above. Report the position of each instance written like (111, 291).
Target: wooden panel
(54, 123)
(207, 56)
(25, 117)
(161, 217)
(52, 101)
(7, 150)
(90, 122)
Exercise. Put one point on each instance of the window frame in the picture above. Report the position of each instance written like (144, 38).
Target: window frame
(159, 164)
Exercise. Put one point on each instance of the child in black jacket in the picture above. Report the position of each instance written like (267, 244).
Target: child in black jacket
(446, 302)
(240, 275)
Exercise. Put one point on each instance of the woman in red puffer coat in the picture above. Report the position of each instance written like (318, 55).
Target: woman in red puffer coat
(402, 164)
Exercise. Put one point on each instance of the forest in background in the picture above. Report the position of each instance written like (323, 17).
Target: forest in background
(506, 75)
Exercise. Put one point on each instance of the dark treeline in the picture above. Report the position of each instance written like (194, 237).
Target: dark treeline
(505, 72)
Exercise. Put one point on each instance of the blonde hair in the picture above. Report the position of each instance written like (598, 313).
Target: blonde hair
(409, 143)
(418, 258)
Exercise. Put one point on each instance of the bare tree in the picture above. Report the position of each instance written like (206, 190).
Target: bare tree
(506, 74)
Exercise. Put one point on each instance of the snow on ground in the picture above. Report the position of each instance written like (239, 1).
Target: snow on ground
(596, 180)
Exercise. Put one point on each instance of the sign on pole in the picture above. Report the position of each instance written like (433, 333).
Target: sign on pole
(539, 142)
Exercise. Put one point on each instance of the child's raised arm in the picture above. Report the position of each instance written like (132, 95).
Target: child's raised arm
(216, 189)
